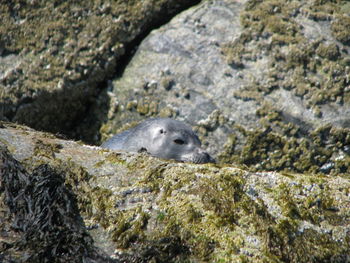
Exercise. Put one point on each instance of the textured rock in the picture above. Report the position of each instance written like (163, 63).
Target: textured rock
(55, 55)
(266, 83)
(259, 79)
(180, 69)
(141, 209)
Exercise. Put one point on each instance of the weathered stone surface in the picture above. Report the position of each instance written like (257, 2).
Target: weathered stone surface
(264, 82)
(54, 55)
(142, 209)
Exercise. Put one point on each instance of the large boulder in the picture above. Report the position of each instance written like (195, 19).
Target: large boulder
(62, 200)
(266, 83)
(55, 56)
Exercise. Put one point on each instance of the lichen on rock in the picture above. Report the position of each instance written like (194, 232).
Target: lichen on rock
(138, 208)
(263, 83)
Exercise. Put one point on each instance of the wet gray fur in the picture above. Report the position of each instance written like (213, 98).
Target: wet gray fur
(161, 137)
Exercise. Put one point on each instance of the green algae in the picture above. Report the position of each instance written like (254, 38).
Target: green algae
(177, 212)
(46, 149)
(283, 146)
(208, 215)
(66, 51)
(275, 19)
(207, 211)
(316, 71)
(315, 208)
(340, 28)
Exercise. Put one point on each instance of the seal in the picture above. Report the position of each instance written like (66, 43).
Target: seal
(163, 138)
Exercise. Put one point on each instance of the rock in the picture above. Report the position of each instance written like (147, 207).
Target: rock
(141, 209)
(265, 83)
(54, 57)
(267, 79)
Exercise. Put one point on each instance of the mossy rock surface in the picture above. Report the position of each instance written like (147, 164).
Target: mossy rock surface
(141, 209)
(264, 83)
(55, 56)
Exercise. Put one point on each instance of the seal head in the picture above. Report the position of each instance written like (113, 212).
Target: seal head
(161, 137)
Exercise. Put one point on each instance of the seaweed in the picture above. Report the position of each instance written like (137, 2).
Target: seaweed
(43, 213)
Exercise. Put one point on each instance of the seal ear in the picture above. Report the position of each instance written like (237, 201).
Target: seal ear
(161, 131)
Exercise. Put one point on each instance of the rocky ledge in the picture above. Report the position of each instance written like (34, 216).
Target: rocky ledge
(62, 200)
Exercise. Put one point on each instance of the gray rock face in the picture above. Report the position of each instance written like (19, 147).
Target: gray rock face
(259, 79)
(228, 64)
(182, 68)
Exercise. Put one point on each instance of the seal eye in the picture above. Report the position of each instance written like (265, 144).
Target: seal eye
(179, 141)
(161, 131)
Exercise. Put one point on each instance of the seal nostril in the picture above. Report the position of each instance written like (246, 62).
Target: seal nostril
(142, 150)
(204, 157)
(209, 158)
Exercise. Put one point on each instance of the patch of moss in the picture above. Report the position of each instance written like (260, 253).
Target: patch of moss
(67, 50)
(340, 28)
(229, 149)
(197, 214)
(316, 208)
(147, 107)
(295, 230)
(330, 51)
(233, 53)
(284, 146)
(207, 215)
(45, 149)
(322, 10)
(202, 213)
(299, 63)
(315, 71)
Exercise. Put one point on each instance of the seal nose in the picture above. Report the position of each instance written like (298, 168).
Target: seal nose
(205, 157)
(209, 158)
